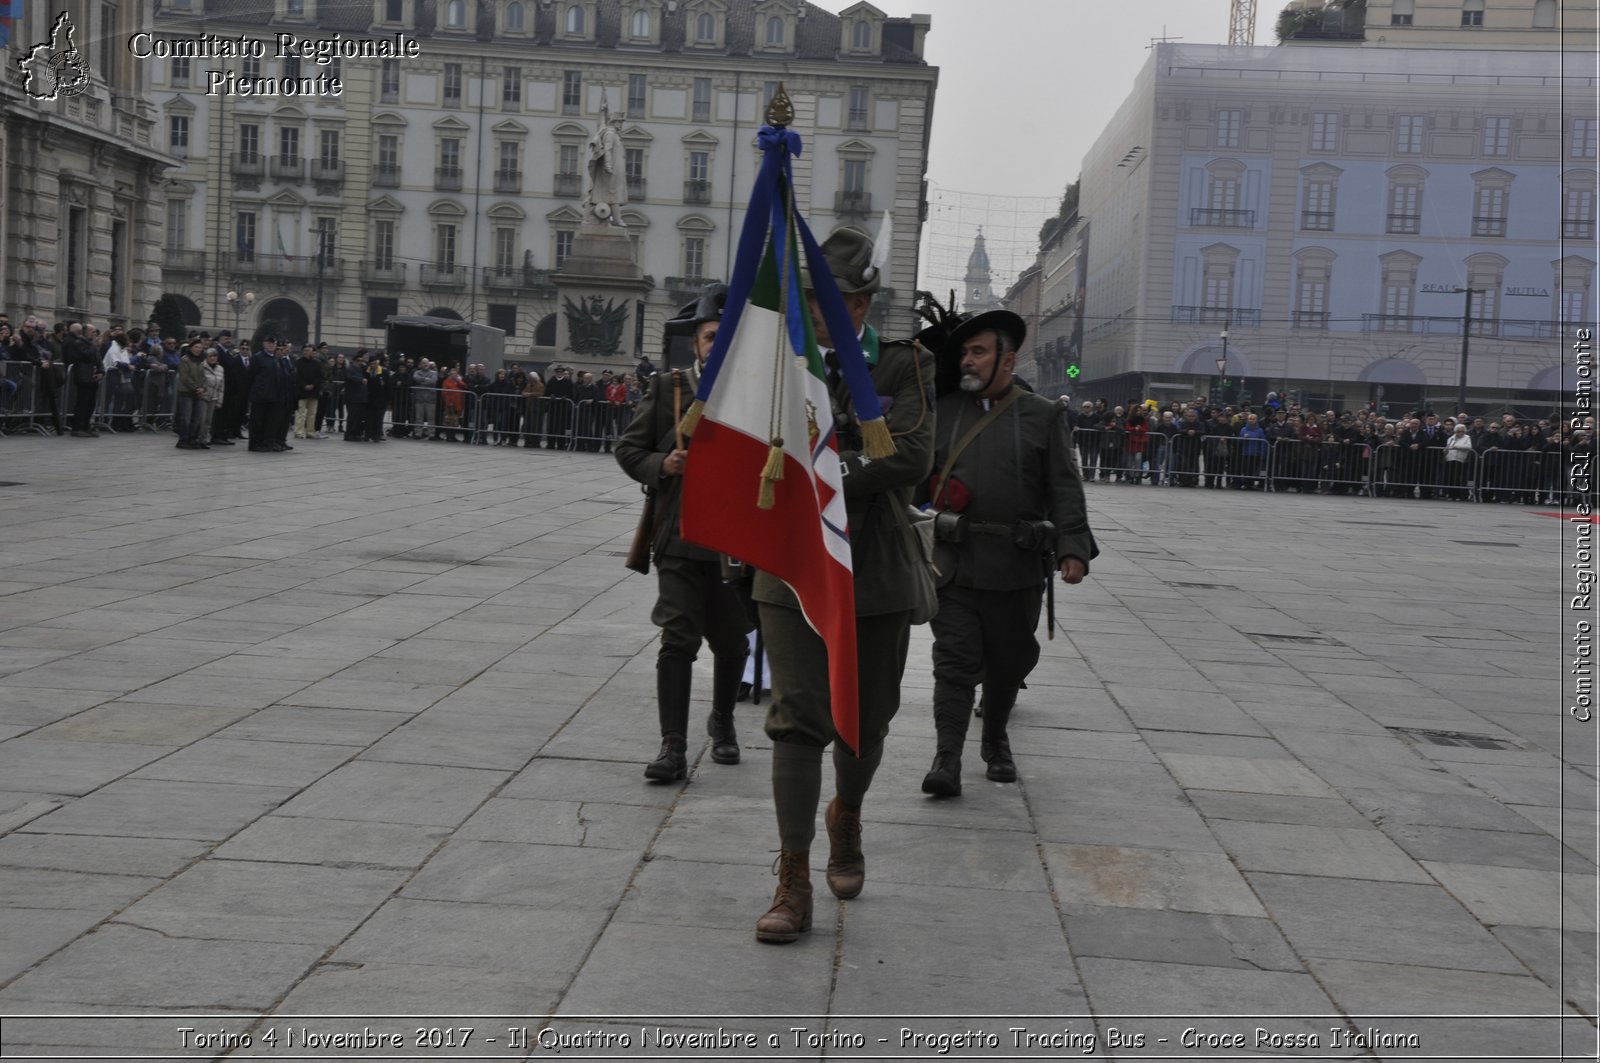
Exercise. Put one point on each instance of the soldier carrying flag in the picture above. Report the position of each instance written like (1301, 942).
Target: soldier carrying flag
(806, 453)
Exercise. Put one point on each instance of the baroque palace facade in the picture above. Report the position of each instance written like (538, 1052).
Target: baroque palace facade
(1326, 217)
(79, 233)
(447, 179)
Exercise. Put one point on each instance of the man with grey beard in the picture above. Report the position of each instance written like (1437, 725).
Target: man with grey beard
(1010, 516)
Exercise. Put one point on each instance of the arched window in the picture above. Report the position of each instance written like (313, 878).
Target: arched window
(641, 24)
(775, 30)
(1544, 14)
(455, 14)
(861, 35)
(514, 18)
(705, 27)
(575, 19)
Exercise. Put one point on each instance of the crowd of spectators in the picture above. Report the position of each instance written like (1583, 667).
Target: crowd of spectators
(1281, 447)
(210, 391)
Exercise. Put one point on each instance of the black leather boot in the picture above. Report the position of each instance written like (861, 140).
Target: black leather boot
(995, 749)
(673, 675)
(952, 708)
(725, 676)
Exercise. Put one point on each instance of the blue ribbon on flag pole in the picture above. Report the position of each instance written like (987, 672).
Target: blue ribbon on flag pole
(768, 214)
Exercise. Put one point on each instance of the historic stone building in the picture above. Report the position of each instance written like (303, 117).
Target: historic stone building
(78, 237)
(450, 182)
(1317, 215)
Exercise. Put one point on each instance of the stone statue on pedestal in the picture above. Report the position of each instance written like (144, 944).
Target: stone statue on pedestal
(607, 164)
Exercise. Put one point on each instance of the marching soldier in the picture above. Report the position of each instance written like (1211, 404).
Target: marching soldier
(694, 602)
(1011, 511)
(800, 717)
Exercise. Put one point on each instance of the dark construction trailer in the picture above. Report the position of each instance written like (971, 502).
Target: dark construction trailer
(445, 341)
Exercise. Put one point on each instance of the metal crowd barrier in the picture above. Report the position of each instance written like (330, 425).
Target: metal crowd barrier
(1311, 465)
(1513, 475)
(432, 413)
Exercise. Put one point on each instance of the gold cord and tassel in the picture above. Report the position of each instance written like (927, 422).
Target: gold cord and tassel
(771, 473)
(876, 441)
(691, 420)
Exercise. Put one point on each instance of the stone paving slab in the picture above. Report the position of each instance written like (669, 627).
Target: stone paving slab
(379, 752)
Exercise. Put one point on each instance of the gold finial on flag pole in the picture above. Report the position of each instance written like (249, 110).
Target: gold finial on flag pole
(780, 112)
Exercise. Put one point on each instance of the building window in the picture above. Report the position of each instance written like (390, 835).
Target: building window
(1325, 131)
(335, 68)
(450, 155)
(1399, 286)
(774, 32)
(1577, 207)
(327, 240)
(250, 67)
(1497, 136)
(177, 134)
(699, 166)
(119, 265)
(455, 14)
(563, 247)
(1583, 136)
(291, 67)
(855, 175)
(861, 35)
(249, 142)
(389, 83)
(295, 8)
(177, 224)
(1311, 289)
(444, 247)
(1405, 210)
(1544, 14)
(1228, 123)
(1317, 213)
(633, 164)
(705, 28)
(769, 89)
(1485, 275)
(394, 10)
(1472, 13)
(289, 146)
(510, 157)
(1574, 278)
(244, 235)
(1489, 211)
(694, 256)
(505, 251)
(1573, 309)
(856, 119)
(639, 29)
(571, 91)
(1408, 134)
(574, 20)
(1217, 272)
(1401, 14)
(503, 316)
(516, 21)
(567, 165)
(328, 148)
(180, 72)
(511, 88)
(636, 95)
(702, 100)
(383, 244)
(452, 84)
(380, 308)
(388, 154)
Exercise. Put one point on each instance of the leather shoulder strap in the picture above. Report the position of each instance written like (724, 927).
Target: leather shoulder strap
(983, 422)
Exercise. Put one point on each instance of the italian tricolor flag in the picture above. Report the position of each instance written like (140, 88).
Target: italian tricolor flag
(769, 404)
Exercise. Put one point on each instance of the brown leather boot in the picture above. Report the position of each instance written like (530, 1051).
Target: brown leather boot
(847, 868)
(790, 915)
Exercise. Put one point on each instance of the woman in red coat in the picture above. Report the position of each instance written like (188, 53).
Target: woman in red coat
(1134, 443)
(455, 405)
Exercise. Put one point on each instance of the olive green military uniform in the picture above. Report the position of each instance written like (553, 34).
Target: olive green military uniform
(882, 555)
(693, 601)
(1020, 470)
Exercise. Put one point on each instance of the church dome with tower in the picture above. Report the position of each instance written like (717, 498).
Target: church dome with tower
(978, 287)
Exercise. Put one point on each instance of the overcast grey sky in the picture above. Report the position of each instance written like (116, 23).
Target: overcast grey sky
(1025, 86)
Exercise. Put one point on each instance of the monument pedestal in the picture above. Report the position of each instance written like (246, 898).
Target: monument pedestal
(600, 295)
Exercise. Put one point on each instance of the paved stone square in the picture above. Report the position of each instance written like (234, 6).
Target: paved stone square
(359, 733)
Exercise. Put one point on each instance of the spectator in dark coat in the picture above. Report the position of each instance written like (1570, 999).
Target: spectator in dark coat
(355, 399)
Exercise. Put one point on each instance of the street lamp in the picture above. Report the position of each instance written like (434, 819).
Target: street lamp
(1222, 363)
(1466, 331)
(239, 302)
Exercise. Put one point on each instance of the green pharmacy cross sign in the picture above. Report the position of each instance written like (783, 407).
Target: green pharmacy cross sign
(1073, 372)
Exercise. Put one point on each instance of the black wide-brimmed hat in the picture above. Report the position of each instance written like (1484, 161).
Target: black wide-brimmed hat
(708, 307)
(1003, 321)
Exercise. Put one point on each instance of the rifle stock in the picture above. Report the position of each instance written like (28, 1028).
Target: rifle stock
(639, 549)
